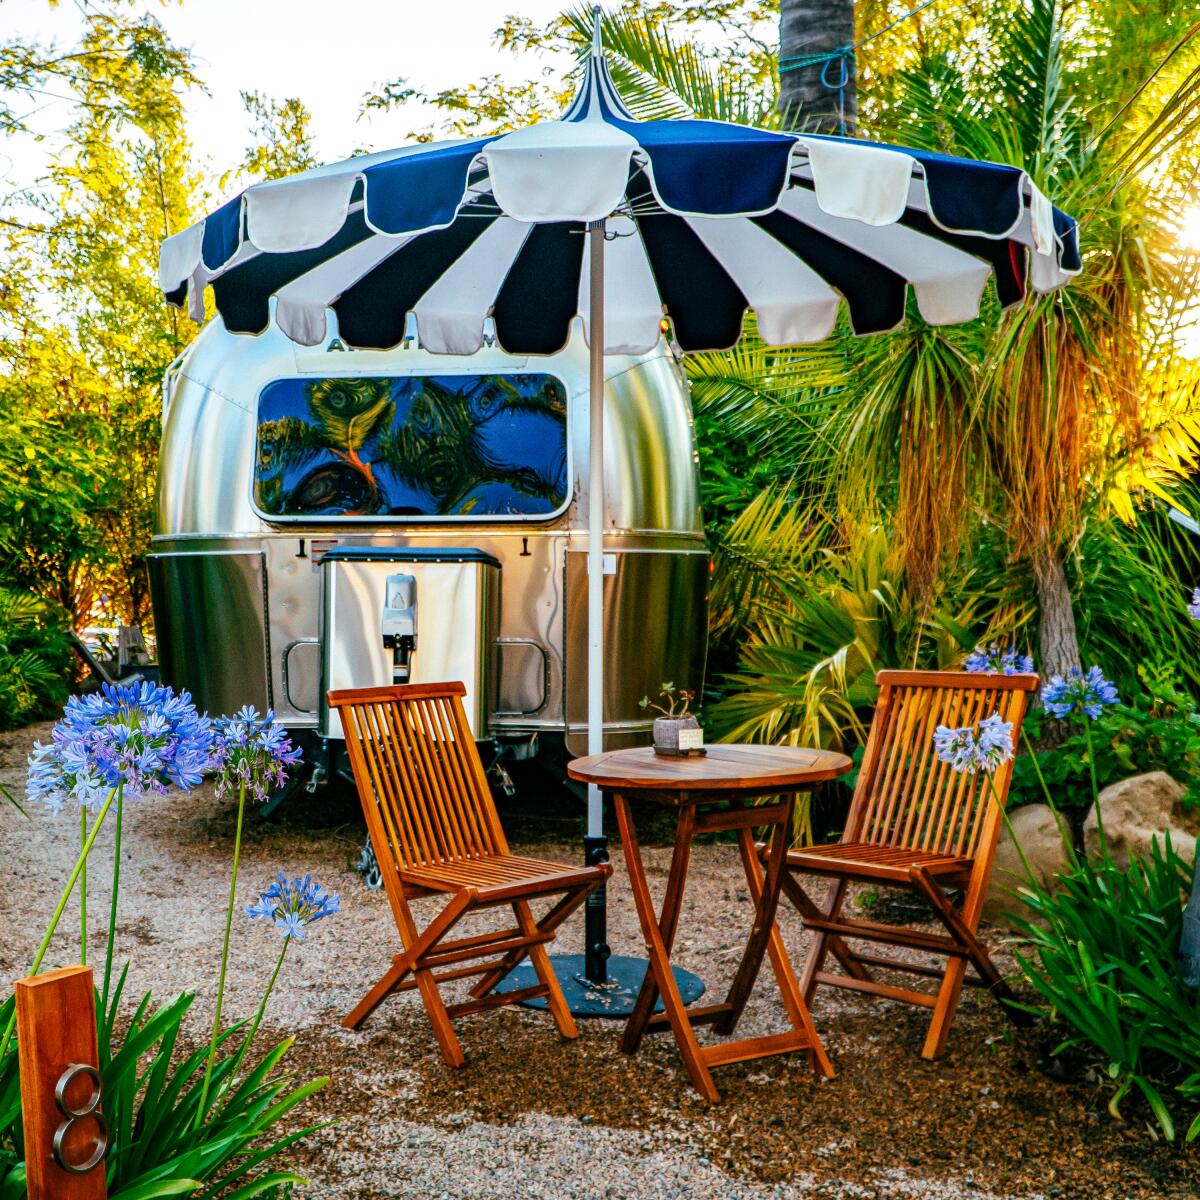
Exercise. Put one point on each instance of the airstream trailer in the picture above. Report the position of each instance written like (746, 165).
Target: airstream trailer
(301, 489)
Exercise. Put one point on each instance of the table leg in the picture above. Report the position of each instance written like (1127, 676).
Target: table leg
(766, 902)
(668, 924)
(793, 1000)
(656, 948)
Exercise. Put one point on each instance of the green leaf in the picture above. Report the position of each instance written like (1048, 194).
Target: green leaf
(265, 1184)
(1155, 1100)
(146, 1191)
(14, 1184)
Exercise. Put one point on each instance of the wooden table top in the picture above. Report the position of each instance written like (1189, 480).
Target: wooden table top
(725, 768)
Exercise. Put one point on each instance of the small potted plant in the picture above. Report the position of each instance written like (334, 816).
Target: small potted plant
(677, 733)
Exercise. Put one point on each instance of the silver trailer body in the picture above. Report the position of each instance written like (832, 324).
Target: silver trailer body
(460, 588)
(238, 593)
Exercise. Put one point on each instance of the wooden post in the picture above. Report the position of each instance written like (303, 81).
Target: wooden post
(65, 1135)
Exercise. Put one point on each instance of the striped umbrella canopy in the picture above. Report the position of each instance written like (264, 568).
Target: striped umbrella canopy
(694, 221)
(703, 220)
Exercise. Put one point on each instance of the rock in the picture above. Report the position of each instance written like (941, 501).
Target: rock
(1038, 833)
(1138, 809)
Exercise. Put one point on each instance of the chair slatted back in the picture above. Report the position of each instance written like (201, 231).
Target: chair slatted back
(412, 750)
(906, 797)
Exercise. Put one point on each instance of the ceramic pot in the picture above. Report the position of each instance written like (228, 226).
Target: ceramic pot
(678, 737)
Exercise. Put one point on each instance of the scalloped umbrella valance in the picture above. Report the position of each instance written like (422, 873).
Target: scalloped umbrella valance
(703, 220)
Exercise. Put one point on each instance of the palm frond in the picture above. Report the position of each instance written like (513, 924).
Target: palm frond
(808, 664)
(1135, 580)
(780, 403)
(772, 542)
(1032, 93)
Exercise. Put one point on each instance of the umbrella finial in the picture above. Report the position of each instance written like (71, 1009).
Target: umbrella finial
(596, 16)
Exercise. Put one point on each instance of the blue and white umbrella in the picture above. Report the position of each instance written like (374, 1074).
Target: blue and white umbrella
(690, 220)
(703, 220)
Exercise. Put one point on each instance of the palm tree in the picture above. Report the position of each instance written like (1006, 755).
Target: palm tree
(1051, 429)
(1009, 417)
(811, 35)
(1006, 421)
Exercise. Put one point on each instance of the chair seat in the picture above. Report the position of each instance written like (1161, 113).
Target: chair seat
(864, 860)
(492, 873)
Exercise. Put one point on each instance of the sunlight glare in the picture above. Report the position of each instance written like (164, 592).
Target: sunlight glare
(1189, 228)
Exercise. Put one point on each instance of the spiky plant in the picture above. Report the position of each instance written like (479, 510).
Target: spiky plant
(821, 605)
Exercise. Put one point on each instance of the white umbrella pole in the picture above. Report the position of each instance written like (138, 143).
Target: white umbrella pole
(595, 844)
(595, 564)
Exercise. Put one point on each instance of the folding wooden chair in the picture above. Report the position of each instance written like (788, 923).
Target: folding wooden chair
(434, 827)
(916, 824)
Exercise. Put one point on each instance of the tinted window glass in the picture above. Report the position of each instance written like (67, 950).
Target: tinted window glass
(424, 446)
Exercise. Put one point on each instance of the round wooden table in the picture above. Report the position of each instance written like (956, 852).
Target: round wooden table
(713, 792)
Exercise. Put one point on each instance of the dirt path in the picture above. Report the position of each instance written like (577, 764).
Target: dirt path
(531, 1116)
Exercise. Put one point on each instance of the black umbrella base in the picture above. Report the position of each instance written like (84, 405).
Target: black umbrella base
(615, 998)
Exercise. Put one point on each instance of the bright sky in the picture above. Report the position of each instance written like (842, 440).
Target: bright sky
(326, 52)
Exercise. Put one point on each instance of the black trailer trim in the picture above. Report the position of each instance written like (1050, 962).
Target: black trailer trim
(455, 554)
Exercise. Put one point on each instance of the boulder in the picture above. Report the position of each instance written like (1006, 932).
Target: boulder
(1138, 809)
(1038, 832)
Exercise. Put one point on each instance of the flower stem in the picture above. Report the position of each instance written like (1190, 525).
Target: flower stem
(1087, 733)
(83, 830)
(80, 863)
(1068, 843)
(1037, 766)
(1012, 833)
(112, 907)
(216, 1025)
(76, 871)
(258, 1016)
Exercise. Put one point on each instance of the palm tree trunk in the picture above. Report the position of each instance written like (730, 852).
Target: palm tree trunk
(1058, 643)
(816, 27)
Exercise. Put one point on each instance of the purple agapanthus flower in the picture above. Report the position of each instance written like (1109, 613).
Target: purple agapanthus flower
(142, 736)
(998, 660)
(972, 748)
(1194, 607)
(252, 750)
(294, 904)
(1079, 692)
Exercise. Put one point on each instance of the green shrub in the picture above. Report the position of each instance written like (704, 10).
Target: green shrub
(152, 1096)
(1101, 952)
(1156, 729)
(34, 659)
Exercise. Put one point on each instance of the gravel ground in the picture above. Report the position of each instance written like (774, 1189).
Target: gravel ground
(532, 1116)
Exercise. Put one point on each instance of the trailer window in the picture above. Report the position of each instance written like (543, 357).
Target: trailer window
(412, 446)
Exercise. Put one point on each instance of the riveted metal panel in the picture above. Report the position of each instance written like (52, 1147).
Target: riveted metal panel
(655, 630)
(216, 644)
